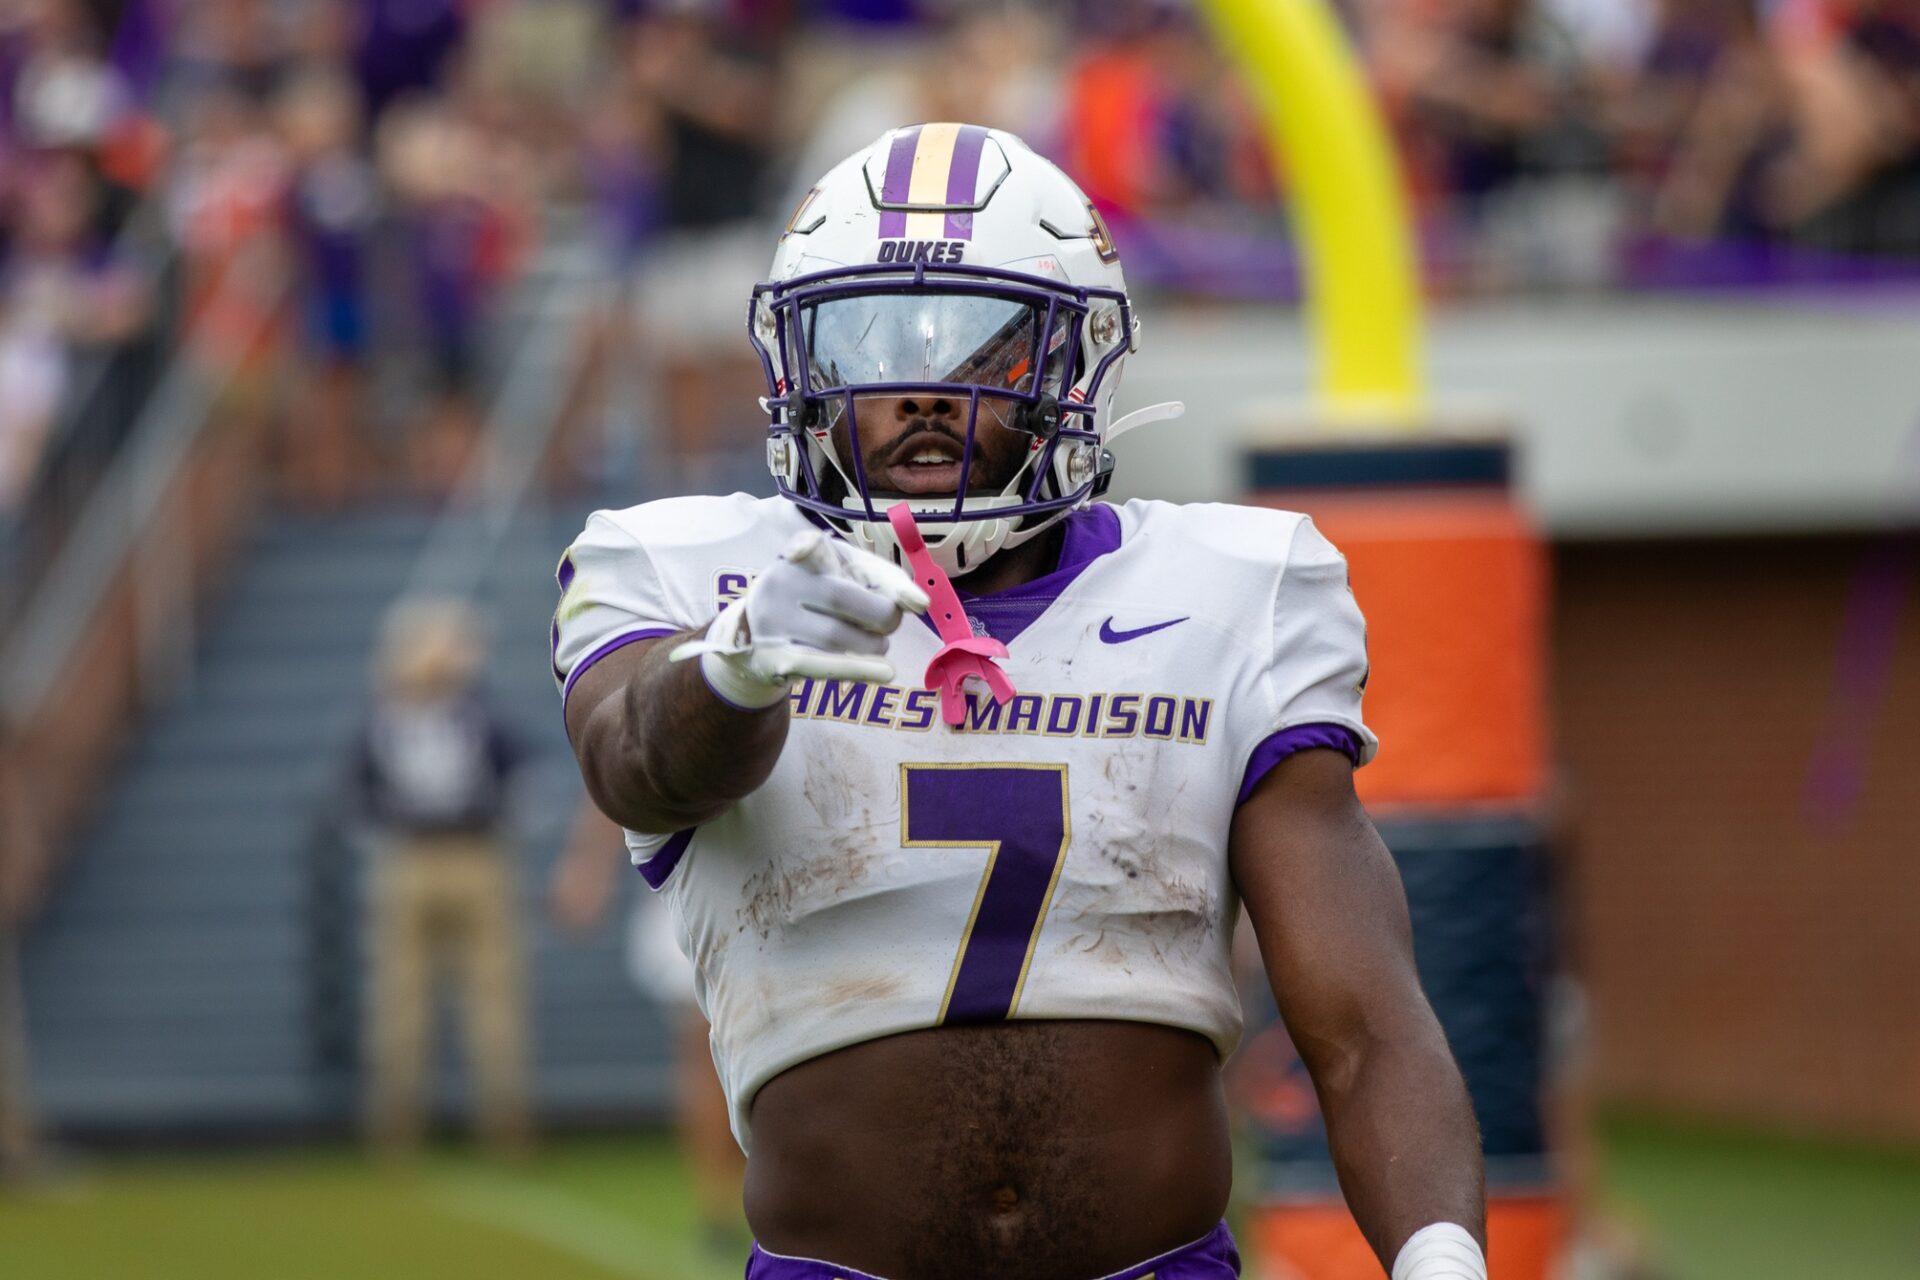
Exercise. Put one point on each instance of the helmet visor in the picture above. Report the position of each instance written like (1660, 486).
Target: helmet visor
(970, 339)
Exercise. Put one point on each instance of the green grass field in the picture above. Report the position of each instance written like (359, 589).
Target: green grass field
(1721, 1208)
(1735, 1207)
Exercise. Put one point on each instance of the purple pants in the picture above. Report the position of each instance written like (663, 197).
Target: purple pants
(1211, 1258)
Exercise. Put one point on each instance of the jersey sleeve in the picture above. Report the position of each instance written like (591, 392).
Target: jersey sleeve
(611, 595)
(1318, 671)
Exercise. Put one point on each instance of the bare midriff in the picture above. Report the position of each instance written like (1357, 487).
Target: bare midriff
(1024, 1150)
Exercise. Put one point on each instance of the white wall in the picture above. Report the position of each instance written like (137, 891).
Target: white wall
(1638, 417)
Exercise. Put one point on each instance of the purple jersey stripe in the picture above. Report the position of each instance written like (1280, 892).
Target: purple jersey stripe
(1278, 746)
(612, 646)
(899, 182)
(962, 177)
(656, 869)
(564, 574)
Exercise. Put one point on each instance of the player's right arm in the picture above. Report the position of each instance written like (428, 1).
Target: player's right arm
(665, 742)
(658, 751)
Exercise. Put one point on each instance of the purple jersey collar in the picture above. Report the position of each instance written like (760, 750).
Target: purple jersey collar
(1091, 532)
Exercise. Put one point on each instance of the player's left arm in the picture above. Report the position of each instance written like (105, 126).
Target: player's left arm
(1331, 918)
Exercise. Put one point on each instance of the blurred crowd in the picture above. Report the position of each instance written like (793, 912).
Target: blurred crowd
(1782, 130)
(1545, 143)
(330, 199)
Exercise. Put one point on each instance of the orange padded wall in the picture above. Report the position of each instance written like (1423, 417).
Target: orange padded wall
(1317, 1239)
(1454, 583)
(1454, 589)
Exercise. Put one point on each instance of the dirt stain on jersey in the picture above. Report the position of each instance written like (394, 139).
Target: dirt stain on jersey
(878, 986)
(836, 786)
(779, 894)
(1106, 950)
(830, 786)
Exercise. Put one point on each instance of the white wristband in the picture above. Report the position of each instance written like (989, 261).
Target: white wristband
(726, 661)
(1440, 1251)
(737, 684)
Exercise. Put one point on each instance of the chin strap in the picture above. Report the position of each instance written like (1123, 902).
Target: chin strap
(1141, 417)
(962, 654)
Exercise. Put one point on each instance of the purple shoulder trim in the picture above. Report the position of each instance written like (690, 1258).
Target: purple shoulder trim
(656, 869)
(614, 645)
(1278, 746)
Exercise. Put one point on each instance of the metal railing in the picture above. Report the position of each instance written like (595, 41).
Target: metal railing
(99, 409)
(123, 520)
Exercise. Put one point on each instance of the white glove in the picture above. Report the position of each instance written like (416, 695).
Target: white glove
(824, 608)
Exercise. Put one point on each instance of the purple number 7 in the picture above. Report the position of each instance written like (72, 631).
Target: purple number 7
(1018, 814)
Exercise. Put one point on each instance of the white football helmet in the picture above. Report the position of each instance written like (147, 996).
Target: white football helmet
(945, 268)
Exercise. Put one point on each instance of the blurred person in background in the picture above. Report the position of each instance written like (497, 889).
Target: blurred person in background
(1699, 104)
(585, 883)
(333, 207)
(60, 92)
(403, 48)
(62, 89)
(61, 292)
(247, 46)
(462, 189)
(432, 769)
(989, 62)
(710, 83)
(1496, 105)
(75, 149)
(1156, 125)
(621, 176)
(1795, 122)
(1849, 178)
(548, 76)
(226, 204)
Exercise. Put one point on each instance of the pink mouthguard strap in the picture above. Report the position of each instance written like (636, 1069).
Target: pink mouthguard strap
(963, 654)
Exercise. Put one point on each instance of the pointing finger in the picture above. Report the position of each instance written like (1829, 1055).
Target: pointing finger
(811, 550)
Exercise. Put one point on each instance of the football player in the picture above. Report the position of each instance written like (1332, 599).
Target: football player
(966, 959)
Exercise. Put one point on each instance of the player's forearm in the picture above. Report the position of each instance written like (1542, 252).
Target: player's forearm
(1404, 1139)
(661, 753)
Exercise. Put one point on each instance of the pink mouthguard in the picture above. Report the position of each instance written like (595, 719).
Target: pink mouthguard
(963, 654)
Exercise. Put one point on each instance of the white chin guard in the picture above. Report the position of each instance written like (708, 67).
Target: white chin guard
(957, 548)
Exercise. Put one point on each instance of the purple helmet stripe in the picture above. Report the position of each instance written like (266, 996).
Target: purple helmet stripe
(963, 177)
(899, 182)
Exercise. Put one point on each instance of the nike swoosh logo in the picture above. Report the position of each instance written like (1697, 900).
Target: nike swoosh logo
(1110, 636)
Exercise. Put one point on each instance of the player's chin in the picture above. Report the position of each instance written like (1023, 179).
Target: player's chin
(915, 479)
(928, 479)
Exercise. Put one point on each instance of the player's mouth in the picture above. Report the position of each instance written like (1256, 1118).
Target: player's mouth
(924, 462)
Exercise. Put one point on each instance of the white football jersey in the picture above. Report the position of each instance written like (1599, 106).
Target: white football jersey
(1063, 855)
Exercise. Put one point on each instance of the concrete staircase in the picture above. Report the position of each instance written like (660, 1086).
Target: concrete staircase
(197, 969)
